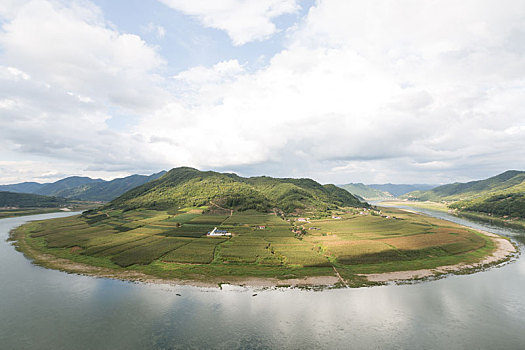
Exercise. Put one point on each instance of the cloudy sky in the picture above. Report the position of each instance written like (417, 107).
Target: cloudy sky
(404, 91)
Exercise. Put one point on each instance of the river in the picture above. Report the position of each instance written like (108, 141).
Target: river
(48, 309)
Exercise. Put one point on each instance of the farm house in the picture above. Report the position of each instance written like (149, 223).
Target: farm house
(216, 232)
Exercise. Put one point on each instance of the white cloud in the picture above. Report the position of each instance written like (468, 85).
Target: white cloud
(63, 72)
(159, 31)
(366, 82)
(243, 20)
(365, 91)
(74, 48)
(17, 73)
(220, 72)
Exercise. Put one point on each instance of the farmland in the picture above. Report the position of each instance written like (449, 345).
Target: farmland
(174, 245)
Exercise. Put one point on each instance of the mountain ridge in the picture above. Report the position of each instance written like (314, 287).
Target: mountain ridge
(468, 190)
(501, 195)
(83, 188)
(187, 187)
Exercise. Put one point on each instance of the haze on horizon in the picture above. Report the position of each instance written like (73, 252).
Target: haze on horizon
(340, 91)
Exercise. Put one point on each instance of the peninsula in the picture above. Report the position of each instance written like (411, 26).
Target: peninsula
(280, 232)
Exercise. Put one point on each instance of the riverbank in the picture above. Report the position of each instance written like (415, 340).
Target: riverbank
(76, 206)
(442, 207)
(505, 250)
(11, 213)
(421, 205)
(65, 265)
(495, 220)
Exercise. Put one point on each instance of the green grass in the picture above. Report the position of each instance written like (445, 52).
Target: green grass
(188, 230)
(198, 251)
(145, 254)
(208, 220)
(182, 218)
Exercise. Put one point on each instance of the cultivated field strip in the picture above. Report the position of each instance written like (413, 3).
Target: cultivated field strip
(169, 240)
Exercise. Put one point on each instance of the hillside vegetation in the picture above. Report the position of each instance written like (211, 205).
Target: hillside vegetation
(26, 200)
(366, 192)
(187, 187)
(502, 195)
(509, 202)
(462, 191)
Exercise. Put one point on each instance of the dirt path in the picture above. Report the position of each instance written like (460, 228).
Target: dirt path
(339, 276)
(218, 206)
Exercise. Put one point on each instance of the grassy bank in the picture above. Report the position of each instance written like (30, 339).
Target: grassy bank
(499, 221)
(423, 205)
(493, 219)
(10, 213)
(173, 245)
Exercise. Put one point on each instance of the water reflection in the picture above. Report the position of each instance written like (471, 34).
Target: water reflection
(48, 309)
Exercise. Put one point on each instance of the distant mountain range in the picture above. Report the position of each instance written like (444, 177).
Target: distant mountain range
(188, 187)
(397, 190)
(503, 194)
(383, 191)
(83, 188)
(366, 192)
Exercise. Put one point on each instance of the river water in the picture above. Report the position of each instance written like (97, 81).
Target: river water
(48, 309)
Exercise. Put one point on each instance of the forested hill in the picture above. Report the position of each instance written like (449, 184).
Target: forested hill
(27, 200)
(501, 195)
(469, 190)
(509, 202)
(366, 192)
(107, 190)
(183, 187)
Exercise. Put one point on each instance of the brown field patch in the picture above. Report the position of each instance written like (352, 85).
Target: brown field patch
(76, 249)
(355, 248)
(425, 240)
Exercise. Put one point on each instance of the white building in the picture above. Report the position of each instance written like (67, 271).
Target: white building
(215, 233)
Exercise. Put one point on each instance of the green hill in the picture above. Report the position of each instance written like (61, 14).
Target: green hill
(469, 190)
(508, 202)
(187, 187)
(366, 192)
(57, 188)
(106, 190)
(501, 195)
(27, 200)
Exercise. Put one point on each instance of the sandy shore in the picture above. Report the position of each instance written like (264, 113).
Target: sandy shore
(504, 249)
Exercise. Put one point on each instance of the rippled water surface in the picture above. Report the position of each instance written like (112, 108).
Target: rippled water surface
(47, 309)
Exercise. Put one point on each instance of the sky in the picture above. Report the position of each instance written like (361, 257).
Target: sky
(400, 91)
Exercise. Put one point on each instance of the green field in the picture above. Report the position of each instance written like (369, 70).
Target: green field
(174, 244)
